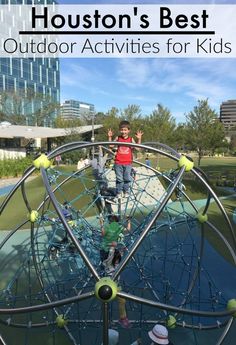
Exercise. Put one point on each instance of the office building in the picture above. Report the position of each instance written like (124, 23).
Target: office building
(29, 77)
(72, 110)
(228, 114)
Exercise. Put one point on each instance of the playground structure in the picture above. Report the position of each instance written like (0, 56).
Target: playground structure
(57, 287)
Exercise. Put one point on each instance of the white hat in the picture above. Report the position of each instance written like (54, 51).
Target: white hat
(113, 337)
(159, 334)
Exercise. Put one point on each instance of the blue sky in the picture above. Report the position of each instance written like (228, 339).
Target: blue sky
(176, 83)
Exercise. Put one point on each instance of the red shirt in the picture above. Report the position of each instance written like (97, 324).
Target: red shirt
(124, 153)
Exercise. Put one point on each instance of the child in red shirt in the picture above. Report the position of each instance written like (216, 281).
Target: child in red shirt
(124, 158)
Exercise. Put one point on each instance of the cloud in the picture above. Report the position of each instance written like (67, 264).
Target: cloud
(194, 78)
(133, 72)
(72, 72)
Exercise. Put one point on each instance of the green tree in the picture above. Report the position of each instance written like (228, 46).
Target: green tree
(180, 137)
(109, 120)
(131, 113)
(70, 127)
(204, 131)
(160, 125)
(16, 107)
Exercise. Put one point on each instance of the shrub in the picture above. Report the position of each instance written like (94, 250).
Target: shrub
(14, 167)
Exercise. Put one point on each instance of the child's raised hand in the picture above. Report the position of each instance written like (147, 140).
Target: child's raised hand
(110, 133)
(139, 134)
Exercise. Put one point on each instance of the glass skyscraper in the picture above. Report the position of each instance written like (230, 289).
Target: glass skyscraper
(38, 76)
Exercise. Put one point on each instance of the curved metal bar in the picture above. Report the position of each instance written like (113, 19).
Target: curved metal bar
(67, 228)
(133, 322)
(60, 150)
(168, 307)
(8, 323)
(149, 225)
(218, 203)
(2, 340)
(45, 306)
(209, 194)
(11, 233)
(12, 192)
(75, 145)
(27, 204)
(232, 252)
(226, 330)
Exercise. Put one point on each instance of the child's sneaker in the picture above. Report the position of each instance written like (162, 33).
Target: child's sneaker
(125, 322)
(115, 200)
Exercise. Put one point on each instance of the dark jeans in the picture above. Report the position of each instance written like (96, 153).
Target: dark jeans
(123, 177)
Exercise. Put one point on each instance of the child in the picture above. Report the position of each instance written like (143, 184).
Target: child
(111, 234)
(111, 256)
(124, 158)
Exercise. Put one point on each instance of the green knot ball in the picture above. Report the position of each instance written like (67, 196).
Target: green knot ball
(184, 161)
(232, 305)
(42, 162)
(61, 321)
(202, 218)
(33, 216)
(171, 322)
(106, 289)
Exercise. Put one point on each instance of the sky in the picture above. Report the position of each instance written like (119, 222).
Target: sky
(176, 83)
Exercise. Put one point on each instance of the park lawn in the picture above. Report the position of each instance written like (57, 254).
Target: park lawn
(208, 164)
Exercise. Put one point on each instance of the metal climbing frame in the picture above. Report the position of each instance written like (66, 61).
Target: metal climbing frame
(163, 272)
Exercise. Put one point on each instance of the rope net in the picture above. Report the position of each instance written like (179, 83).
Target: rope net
(160, 255)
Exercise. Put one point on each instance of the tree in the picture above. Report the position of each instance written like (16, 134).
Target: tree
(160, 125)
(131, 113)
(22, 108)
(204, 131)
(70, 129)
(12, 108)
(180, 135)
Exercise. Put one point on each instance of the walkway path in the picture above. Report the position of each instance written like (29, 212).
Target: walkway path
(8, 181)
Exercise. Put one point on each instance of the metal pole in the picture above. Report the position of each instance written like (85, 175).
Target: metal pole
(105, 324)
(93, 137)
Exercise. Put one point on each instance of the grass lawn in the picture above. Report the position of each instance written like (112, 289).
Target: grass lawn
(208, 164)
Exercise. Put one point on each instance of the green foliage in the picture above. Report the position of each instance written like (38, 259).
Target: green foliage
(70, 127)
(14, 167)
(16, 107)
(204, 131)
(131, 113)
(160, 125)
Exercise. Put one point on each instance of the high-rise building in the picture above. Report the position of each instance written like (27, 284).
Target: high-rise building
(72, 110)
(37, 76)
(228, 114)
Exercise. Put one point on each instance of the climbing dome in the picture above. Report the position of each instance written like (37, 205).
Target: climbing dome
(177, 263)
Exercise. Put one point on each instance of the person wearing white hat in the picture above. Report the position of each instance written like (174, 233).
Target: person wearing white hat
(159, 335)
